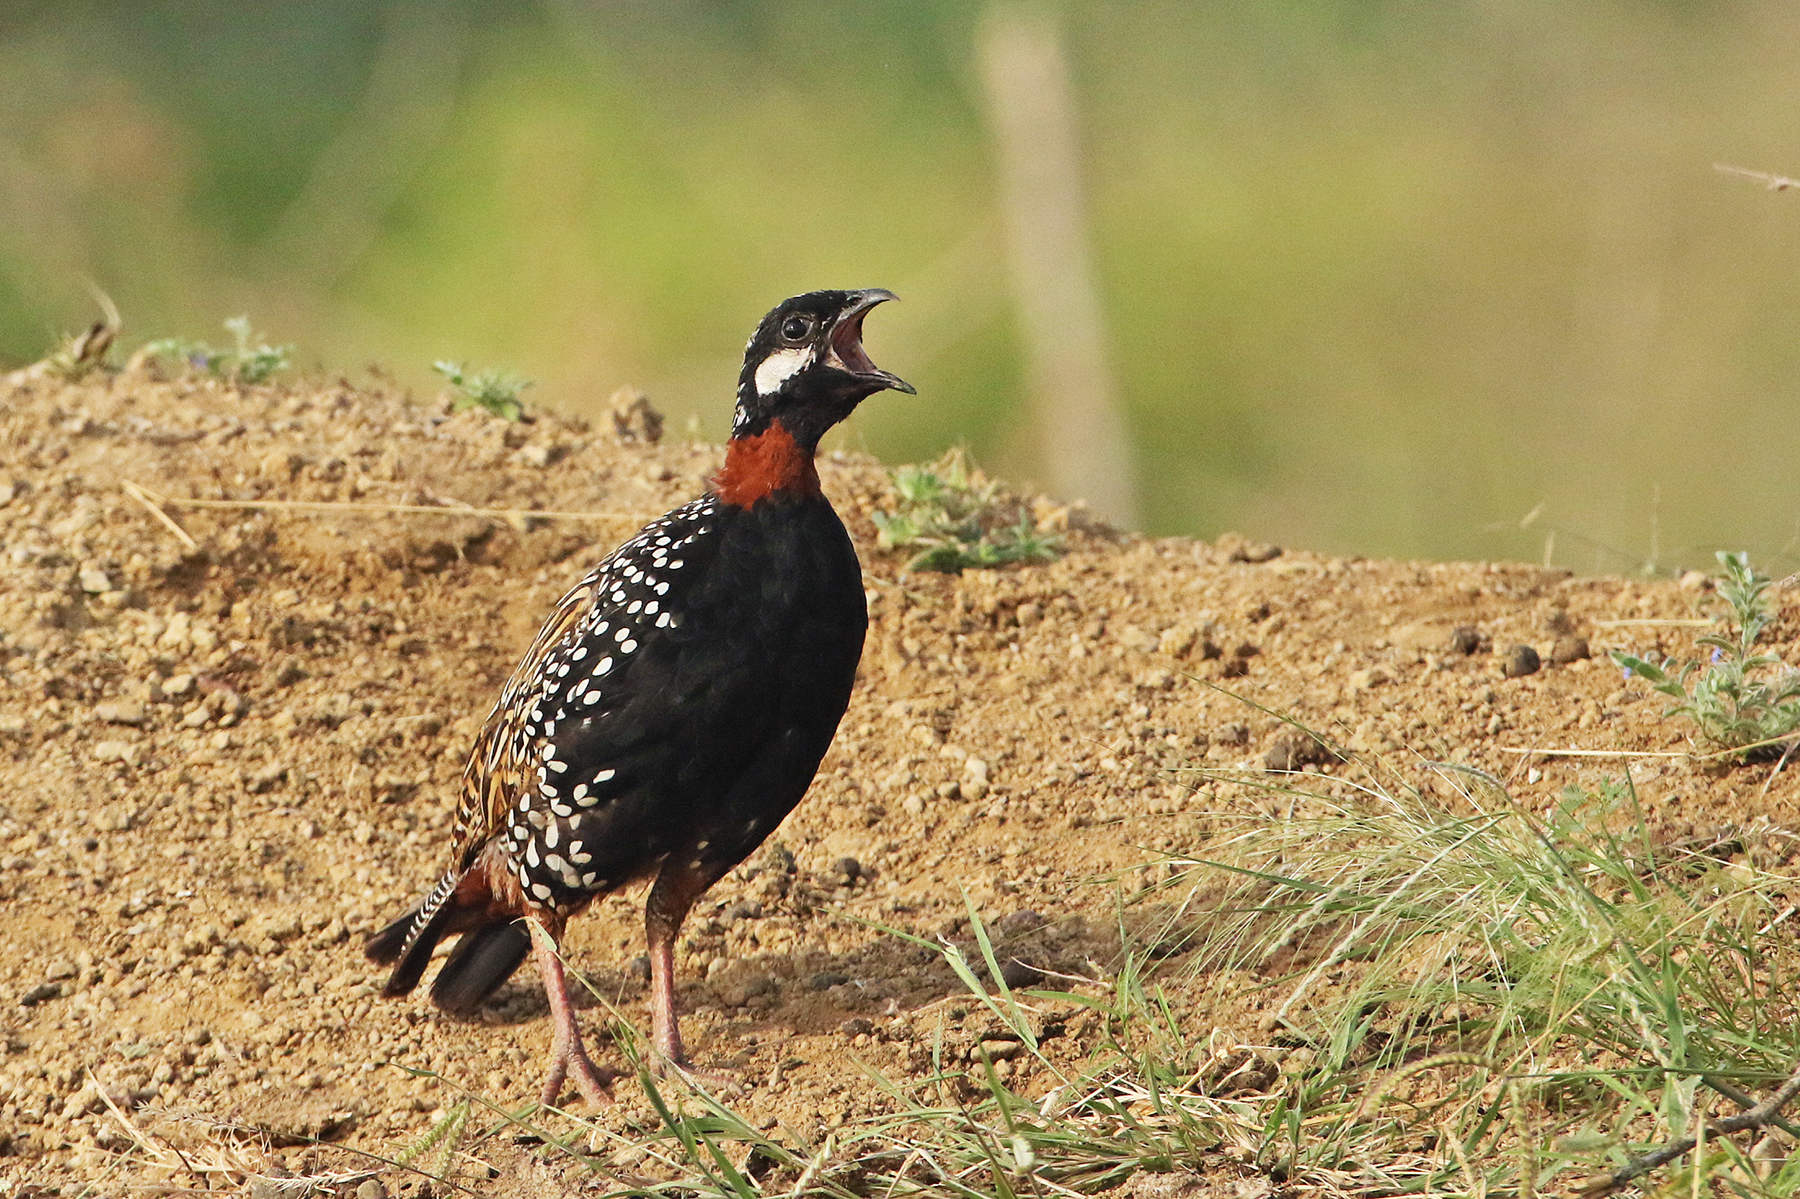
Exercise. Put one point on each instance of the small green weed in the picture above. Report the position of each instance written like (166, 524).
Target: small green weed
(246, 362)
(495, 391)
(958, 518)
(1742, 701)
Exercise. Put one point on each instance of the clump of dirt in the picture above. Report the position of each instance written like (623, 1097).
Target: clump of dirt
(230, 738)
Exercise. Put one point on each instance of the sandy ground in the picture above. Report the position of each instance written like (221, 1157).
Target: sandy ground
(228, 751)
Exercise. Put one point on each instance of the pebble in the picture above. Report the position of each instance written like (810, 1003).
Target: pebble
(177, 685)
(123, 711)
(115, 751)
(94, 580)
(1295, 751)
(1465, 639)
(371, 1188)
(1569, 649)
(1521, 660)
(848, 868)
(1015, 973)
(856, 1026)
(824, 980)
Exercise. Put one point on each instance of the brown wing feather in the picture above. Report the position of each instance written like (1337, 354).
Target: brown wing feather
(497, 765)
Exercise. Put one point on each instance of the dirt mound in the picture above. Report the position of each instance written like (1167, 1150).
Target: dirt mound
(229, 738)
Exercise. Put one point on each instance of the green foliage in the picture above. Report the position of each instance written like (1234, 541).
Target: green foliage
(495, 391)
(246, 362)
(1548, 993)
(958, 518)
(1741, 700)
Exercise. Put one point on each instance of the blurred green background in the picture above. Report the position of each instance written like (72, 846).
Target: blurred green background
(1377, 278)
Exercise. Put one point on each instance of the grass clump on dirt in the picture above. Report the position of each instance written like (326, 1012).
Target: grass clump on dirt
(1741, 700)
(1494, 999)
(249, 361)
(1466, 1002)
(495, 391)
(957, 518)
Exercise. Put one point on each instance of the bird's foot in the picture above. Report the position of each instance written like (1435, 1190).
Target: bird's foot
(594, 1082)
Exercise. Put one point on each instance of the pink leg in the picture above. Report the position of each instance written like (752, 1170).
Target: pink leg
(567, 1054)
(670, 899)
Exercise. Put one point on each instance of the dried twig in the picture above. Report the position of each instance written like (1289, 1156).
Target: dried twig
(1760, 1116)
(141, 496)
(145, 495)
(1775, 183)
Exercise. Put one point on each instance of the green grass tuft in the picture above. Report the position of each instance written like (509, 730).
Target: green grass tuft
(957, 519)
(1741, 701)
(495, 391)
(249, 361)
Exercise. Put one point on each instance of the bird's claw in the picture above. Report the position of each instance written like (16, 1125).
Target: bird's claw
(594, 1082)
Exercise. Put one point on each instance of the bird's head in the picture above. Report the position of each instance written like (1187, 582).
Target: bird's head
(805, 365)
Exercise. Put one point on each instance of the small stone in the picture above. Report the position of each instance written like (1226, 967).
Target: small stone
(1296, 751)
(115, 751)
(856, 1026)
(177, 685)
(824, 980)
(1521, 660)
(1465, 639)
(61, 968)
(1178, 640)
(848, 869)
(1367, 678)
(949, 791)
(371, 1188)
(1029, 614)
(1569, 649)
(94, 580)
(40, 993)
(998, 1050)
(913, 805)
(1015, 973)
(122, 711)
(975, 770)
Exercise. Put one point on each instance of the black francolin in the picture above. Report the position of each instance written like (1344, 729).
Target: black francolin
(673, 710)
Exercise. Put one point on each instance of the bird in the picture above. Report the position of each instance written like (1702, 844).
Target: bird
(672, 711)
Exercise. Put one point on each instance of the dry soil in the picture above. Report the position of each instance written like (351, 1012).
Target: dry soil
(230, 737)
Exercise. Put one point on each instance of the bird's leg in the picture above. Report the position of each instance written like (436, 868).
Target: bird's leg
(674, 893)
(567, 1054)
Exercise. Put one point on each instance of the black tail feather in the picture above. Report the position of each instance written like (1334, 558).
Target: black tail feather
(485, 958)
(385, 947)
(409, 941)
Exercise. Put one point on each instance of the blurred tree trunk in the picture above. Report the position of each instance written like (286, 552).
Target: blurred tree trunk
(1030, 107)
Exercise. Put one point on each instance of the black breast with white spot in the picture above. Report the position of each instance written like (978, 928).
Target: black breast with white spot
(624, 608)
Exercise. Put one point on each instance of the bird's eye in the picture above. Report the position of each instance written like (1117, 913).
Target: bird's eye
(797, 328)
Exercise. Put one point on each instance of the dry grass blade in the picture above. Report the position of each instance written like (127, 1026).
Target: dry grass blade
(146, 495)
(168, 522)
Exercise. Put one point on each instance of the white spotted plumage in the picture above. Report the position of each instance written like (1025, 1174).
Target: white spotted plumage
(580, 657)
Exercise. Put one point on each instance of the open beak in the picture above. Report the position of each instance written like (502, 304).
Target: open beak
(847, 352)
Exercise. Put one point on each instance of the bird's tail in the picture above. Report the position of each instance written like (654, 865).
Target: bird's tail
(492, 945)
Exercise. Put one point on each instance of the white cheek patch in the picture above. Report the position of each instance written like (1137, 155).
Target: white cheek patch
(779, 367)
